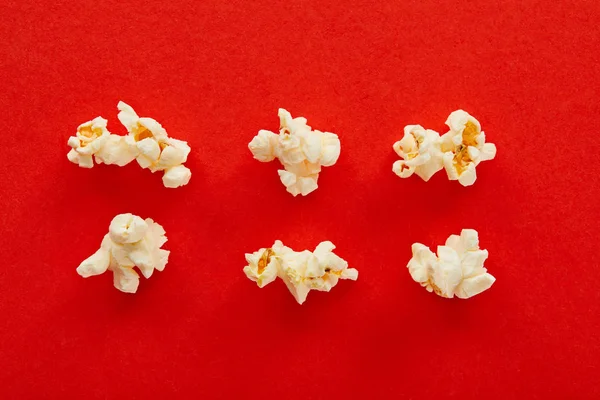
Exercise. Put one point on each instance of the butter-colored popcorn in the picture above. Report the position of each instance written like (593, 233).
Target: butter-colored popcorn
(301, 150)
(131, 242)
(457, 270)
(420, 152)
(300, 271)
(156, 150)
(90, 138)
(147, 142)
(464, 147)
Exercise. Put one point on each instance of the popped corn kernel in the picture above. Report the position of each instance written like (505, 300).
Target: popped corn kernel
(131, 242)
(300, 271)
(90, 138)
(301, 150)
(420, 152)
(156, 150)
(147, 142)
(456, 270)
(464, 147)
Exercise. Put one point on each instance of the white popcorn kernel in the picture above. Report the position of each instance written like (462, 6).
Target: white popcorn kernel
(464, 147)
(457, 270)
(301, 150)
(131, 242)
(420, 152)
(175, 177)
(90, 138)
(262, 267)
(156, 150)
(300, 271)
(147, 143)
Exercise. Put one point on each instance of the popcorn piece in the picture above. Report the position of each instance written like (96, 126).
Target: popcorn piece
(457, 270)
(157, 151)
(464, 147)
(459, 151)
(300, 271)
(147, 142)
(131, 242)
(91, 136)
(301, 150)
(420, 152)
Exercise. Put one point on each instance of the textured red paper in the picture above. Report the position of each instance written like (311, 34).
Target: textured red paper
(213, 73)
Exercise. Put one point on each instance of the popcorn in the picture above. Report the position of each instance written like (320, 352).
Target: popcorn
(91, 136)
(457, 270)
(459, 151)
(420, 150)
(157, 151)
(130, 242)
(301, 150)
(300, 271)
(464, 147)
(147, 143)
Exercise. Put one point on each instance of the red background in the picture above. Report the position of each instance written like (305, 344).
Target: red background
(213, 73)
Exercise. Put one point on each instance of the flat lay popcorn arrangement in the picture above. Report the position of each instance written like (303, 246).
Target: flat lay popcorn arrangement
(296, 200)
(456, 270)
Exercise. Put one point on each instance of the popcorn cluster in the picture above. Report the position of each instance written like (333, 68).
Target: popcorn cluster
(147, 142)
(457, 270)
(300, 271)
(301, 150)
(458, 151)
(130, 242)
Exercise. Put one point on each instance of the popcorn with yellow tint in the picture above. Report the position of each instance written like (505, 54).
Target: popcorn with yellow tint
(156, 150)
(301, 150)
(147, 143)
(464, 147)
(300, 271)
(456, 270)
(90, 138)
(131, 242)
(420, 152)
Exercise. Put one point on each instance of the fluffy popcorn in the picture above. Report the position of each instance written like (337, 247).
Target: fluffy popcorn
(464, 147)
(456, 270)
(130, 242)
(301, 150)
(90, 138)
(147, 143)
(300, 271)
(458, 151)
(420, 152)
(156, 150)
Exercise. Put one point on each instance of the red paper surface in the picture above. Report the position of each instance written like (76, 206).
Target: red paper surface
(214, 73)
